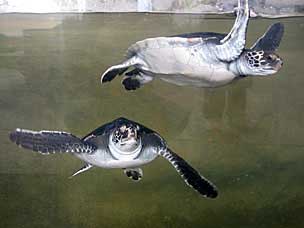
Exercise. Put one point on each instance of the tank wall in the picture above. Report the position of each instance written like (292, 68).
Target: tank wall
(260, 7)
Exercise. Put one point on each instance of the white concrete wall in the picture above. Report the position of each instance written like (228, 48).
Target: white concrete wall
(262, 7)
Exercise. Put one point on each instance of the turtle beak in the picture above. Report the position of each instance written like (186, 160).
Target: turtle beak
(279, 64)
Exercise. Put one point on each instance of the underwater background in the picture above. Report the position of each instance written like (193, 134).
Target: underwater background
(246, 137)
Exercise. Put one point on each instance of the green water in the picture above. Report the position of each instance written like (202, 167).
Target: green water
(246, 137)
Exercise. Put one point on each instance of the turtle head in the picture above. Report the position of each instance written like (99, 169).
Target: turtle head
(260, 63)
(261, 59)
(125, 137)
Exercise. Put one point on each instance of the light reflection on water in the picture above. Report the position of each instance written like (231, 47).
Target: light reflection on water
(247, 137)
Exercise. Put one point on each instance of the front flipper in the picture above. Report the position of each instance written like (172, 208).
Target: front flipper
(83, 169)
(49, 142)
(233, 44)
(134, 173)
(270, 41)
(189, 174)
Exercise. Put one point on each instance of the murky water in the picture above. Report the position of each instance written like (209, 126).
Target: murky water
(246, 137)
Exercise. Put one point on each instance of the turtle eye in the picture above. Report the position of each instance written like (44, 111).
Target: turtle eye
(271, 58)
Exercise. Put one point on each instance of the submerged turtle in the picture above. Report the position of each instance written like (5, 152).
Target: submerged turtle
(204, 59)
(121, 143)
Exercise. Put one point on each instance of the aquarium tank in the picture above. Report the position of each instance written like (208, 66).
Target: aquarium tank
(246, 136)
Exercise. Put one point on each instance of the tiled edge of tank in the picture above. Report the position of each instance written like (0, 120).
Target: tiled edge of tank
(270, 8)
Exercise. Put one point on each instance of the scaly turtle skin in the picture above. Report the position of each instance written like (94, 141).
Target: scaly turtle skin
(203, 59)
(121, 143)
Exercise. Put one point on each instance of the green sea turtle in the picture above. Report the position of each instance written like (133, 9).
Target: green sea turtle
(121, 143)
(203, 59)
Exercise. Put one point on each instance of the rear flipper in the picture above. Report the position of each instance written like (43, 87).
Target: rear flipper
(111, 73)
(81, 170)
(134, 173)
(135, 79)
(49, 142)
(119, 69)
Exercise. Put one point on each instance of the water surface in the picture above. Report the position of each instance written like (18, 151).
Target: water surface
(246, 137)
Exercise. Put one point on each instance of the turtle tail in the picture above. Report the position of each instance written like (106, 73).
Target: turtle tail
(49, 142)
(119, 69)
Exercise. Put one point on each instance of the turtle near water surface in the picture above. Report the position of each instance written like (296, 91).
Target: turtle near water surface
(203, 59)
